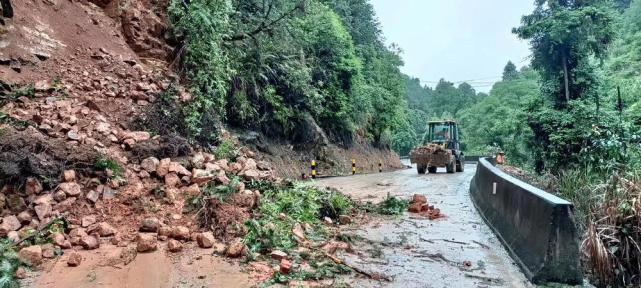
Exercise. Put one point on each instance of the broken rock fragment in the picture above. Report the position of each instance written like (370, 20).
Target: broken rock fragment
(32, 186)
(174, 246)
(146, 242)
(31, 255)
(236, 249)
(150, 224)
(205, 240)
(150, 164)
(70, 188)
(74, 259)
(69, 175)
(89, 242)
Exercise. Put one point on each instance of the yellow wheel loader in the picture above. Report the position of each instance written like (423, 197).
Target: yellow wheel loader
(441, 149)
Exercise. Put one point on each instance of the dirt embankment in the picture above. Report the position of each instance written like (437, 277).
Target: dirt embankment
(294, 161)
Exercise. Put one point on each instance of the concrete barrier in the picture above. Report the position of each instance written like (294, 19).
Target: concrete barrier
(472, 158)
(536, 227)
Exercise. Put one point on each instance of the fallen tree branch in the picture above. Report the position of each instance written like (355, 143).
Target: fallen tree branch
(372, 275)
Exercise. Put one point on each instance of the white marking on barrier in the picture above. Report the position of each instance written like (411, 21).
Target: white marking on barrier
(494, 188)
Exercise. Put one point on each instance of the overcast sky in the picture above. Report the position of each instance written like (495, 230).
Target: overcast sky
(455, 39)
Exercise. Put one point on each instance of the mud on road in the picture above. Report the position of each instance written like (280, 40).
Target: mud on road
(458, 250)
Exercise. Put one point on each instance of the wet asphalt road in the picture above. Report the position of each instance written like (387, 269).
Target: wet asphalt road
(459, 250)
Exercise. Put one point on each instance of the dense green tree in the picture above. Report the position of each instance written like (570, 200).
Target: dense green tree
(510, 72)
(566, 37)
(266, 64)
(499, 121)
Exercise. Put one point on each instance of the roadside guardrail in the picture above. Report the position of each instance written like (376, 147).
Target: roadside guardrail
(536, 227)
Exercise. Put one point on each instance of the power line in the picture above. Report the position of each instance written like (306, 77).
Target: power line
(469, 81)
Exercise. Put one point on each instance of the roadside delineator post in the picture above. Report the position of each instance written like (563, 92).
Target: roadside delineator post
(353, 166)
(500, 158)
(380, 167)
(313, 169)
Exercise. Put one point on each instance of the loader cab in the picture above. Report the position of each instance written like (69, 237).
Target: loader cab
(443, 133)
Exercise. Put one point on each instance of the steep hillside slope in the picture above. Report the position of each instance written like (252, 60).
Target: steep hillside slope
(78, 169)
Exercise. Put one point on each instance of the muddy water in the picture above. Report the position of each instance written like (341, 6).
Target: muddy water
(456, 251)
(103, 268)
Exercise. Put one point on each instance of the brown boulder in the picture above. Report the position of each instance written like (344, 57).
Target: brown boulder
(88, 220)
(137, 136)
(21, 273)
(418, 198)
(45, 199)
(179, 169)
(205, 240)
(251, 174)
(93, 196)
(65, 205)
(69, 175)
(105, 230)
(163, 167)
(180, 233)
(192, 190)
(236, 249)
(14, 236)
(89, 242)
(150, 224)
(74, 259)
(172, 180)
(278, 255)
(32, 186)
(31, 255)
(150, 164)
(70, 188)
(199, 176)
(24, 217)
(58, 238)
(48, 250)
(298, 232)
(146, 242)
(164, 231)
(9, 223)
(415, 207)
(174, 246)
(42, 211)
(285, 266)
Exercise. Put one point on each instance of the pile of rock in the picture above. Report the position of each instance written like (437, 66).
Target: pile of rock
(152, 230)
(419, 205)
(34, 207)
(205, 169)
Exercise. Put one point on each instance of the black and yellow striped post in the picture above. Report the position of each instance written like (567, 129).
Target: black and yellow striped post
(353, 166)
(313, 169)
(380, 167)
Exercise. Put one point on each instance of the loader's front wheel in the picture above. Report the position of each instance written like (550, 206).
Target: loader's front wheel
(450, 168)
(420, 168)
(432, 169)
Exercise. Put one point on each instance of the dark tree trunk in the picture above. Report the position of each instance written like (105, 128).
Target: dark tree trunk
(7, 10)
(566, 78)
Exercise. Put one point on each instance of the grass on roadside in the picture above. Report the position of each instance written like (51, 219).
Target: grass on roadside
(9, 264)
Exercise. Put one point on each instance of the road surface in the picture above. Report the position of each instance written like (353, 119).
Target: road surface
(459, 250)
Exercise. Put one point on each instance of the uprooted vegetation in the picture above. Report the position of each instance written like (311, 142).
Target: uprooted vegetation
(29, 153)
(289, 223)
